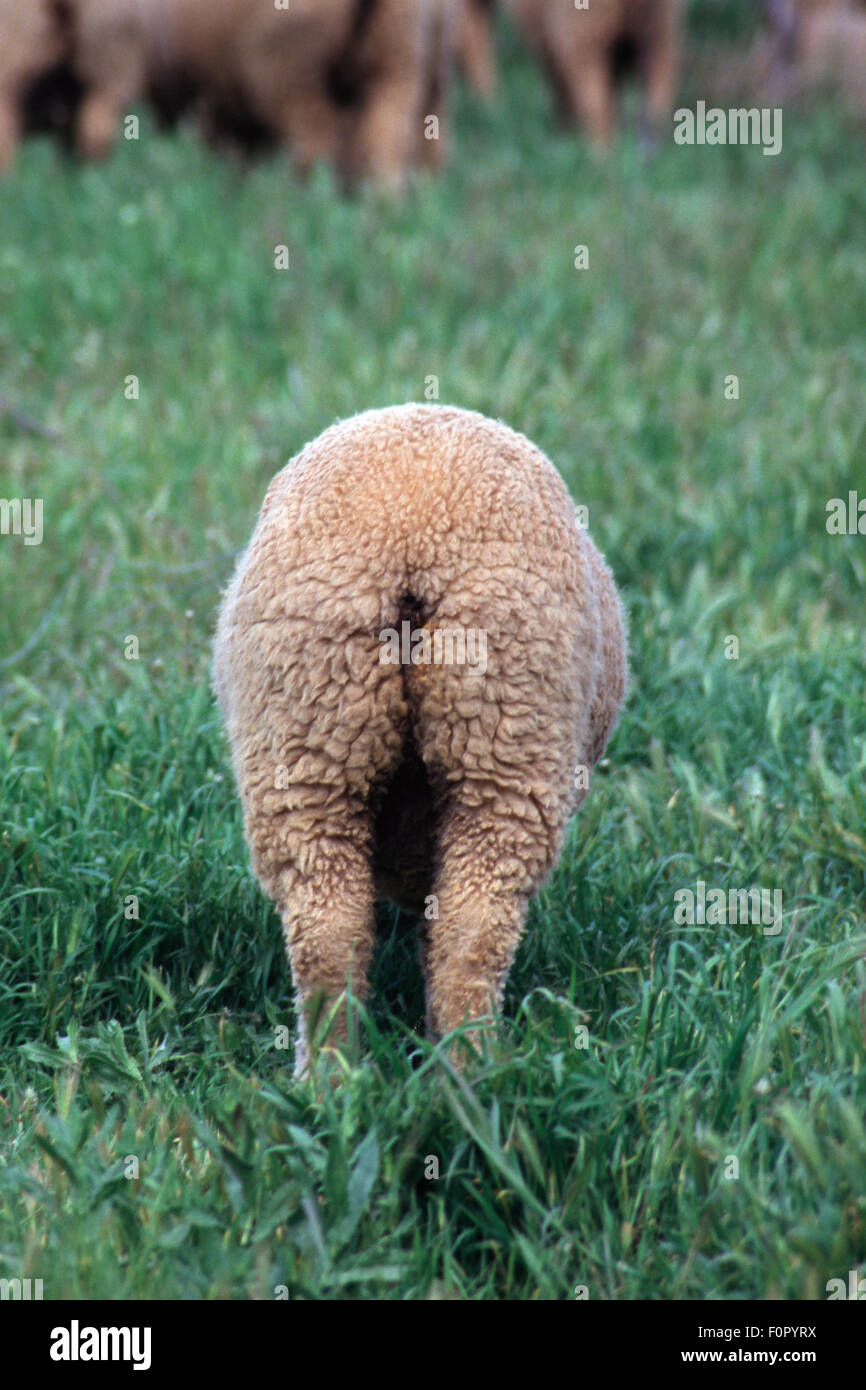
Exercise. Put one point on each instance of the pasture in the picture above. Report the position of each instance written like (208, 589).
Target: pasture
(152, 1141)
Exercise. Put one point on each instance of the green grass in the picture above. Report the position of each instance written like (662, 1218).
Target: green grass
(154, 1038)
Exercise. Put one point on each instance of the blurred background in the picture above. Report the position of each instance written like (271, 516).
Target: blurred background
(681, 329)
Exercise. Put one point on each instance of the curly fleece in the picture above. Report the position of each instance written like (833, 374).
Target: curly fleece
(450, 784)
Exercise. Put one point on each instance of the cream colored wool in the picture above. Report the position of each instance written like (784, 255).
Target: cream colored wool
(361, 779)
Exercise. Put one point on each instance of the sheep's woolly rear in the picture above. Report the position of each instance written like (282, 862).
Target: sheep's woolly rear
(452, 782)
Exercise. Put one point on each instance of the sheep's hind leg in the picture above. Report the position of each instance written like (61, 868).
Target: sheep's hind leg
(326, 904)
(481, 892)
(660, 76)
(386, 130)
(591, 96)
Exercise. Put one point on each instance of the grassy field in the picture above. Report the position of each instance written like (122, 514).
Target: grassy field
(153, 1038)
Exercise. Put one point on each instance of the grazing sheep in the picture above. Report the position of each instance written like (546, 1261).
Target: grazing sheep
(476, 45)
(344, 81)
(441, 784)
(817, 43)
(585, 52)
(30, 46)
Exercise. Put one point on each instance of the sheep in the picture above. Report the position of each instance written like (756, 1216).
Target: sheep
(817, 43)
(31, 44)
(369, 768)
(343, 81)
(584, 52)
